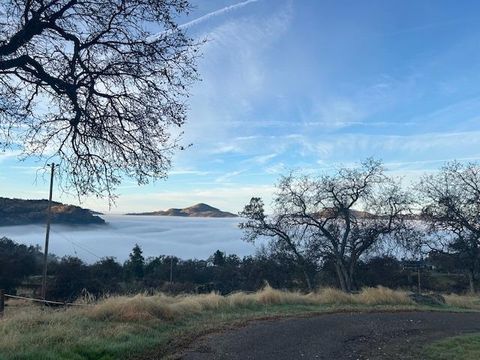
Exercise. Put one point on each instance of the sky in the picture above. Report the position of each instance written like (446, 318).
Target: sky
(309, 85)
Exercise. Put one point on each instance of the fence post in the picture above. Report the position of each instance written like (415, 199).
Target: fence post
(2, 302)
(419, 283)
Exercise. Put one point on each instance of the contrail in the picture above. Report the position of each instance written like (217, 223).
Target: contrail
(216, 13)
(205, 17)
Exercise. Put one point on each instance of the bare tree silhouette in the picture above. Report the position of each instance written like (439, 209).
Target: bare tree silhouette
(339, 217)
(86, 81)
(451, 208)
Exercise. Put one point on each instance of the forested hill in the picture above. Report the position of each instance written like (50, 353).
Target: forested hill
(198, 210)
(25, 212)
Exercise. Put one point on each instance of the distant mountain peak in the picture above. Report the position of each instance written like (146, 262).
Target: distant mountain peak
(201, 207)
(197, 210)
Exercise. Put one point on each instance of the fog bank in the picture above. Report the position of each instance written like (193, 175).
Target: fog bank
(157, 235)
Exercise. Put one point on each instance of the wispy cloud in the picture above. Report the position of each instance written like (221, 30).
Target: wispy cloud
(189, 172)
(342, 146)
(226, 177)
(262, 159)
(275, 169)
(225, 149)
(408, 165)
(234, 77)
(406, 147)
(336, 110)
(9, 154)
(216, 13)
(205, 18)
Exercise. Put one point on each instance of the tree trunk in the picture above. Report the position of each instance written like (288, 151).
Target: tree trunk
(351, 273)
(302, 263)
(348, 281)
(471, 282)
(343, 277)
(340, 278)
(308, 281)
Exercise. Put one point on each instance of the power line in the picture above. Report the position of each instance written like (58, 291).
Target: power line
(77, 245)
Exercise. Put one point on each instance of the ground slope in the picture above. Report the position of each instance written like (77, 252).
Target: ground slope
(399, 335)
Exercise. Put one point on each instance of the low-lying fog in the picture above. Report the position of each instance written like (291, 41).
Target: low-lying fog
(186, 238)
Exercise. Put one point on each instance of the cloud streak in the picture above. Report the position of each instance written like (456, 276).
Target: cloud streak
(9, 154)
(216, 13)
(204, 18)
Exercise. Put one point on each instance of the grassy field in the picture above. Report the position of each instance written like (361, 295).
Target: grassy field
(139, 326)
(465, 347)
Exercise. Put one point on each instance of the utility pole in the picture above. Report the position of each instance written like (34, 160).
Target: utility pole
(47, 235)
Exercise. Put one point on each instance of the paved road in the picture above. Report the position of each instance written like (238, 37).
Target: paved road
(335, 336)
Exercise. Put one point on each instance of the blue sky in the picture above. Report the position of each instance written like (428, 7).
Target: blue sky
(307, 84)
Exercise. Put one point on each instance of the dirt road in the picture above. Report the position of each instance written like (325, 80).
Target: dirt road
(335, 336)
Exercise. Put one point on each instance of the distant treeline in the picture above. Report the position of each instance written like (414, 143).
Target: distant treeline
(69, 277)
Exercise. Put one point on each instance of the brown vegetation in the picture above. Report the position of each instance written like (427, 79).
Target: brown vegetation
(24, 212)
(127, 326)
(164, 307)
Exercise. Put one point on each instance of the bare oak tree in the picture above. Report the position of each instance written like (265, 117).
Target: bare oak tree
(451, 208)
(86, 82)
(342, 216)
(287, 237)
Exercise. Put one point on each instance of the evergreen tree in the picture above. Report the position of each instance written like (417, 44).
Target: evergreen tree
(135, 264)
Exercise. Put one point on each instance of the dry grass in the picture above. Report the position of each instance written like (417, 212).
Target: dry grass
(161, 306)
(383, 296)
(120, 324)
(463, 301)
(143, 307)
(270, 296)
(28, 320)
(331, 296)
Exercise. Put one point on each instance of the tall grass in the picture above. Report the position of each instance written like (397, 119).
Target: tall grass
(128, 325)
(161, 306)
(463, 301)
(383, 296)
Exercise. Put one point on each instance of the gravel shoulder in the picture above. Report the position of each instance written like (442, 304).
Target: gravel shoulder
(398, 335)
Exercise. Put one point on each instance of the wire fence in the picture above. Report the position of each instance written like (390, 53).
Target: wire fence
(4, 296)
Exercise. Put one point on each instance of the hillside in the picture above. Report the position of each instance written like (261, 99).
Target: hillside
(25, 212)
(198, 210)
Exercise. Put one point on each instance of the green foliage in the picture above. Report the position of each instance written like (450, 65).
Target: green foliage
(16, 263)
(70, 277)
(382, 270)
(218, 258)
(456, 348)
(106, 276)
(135, 265)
